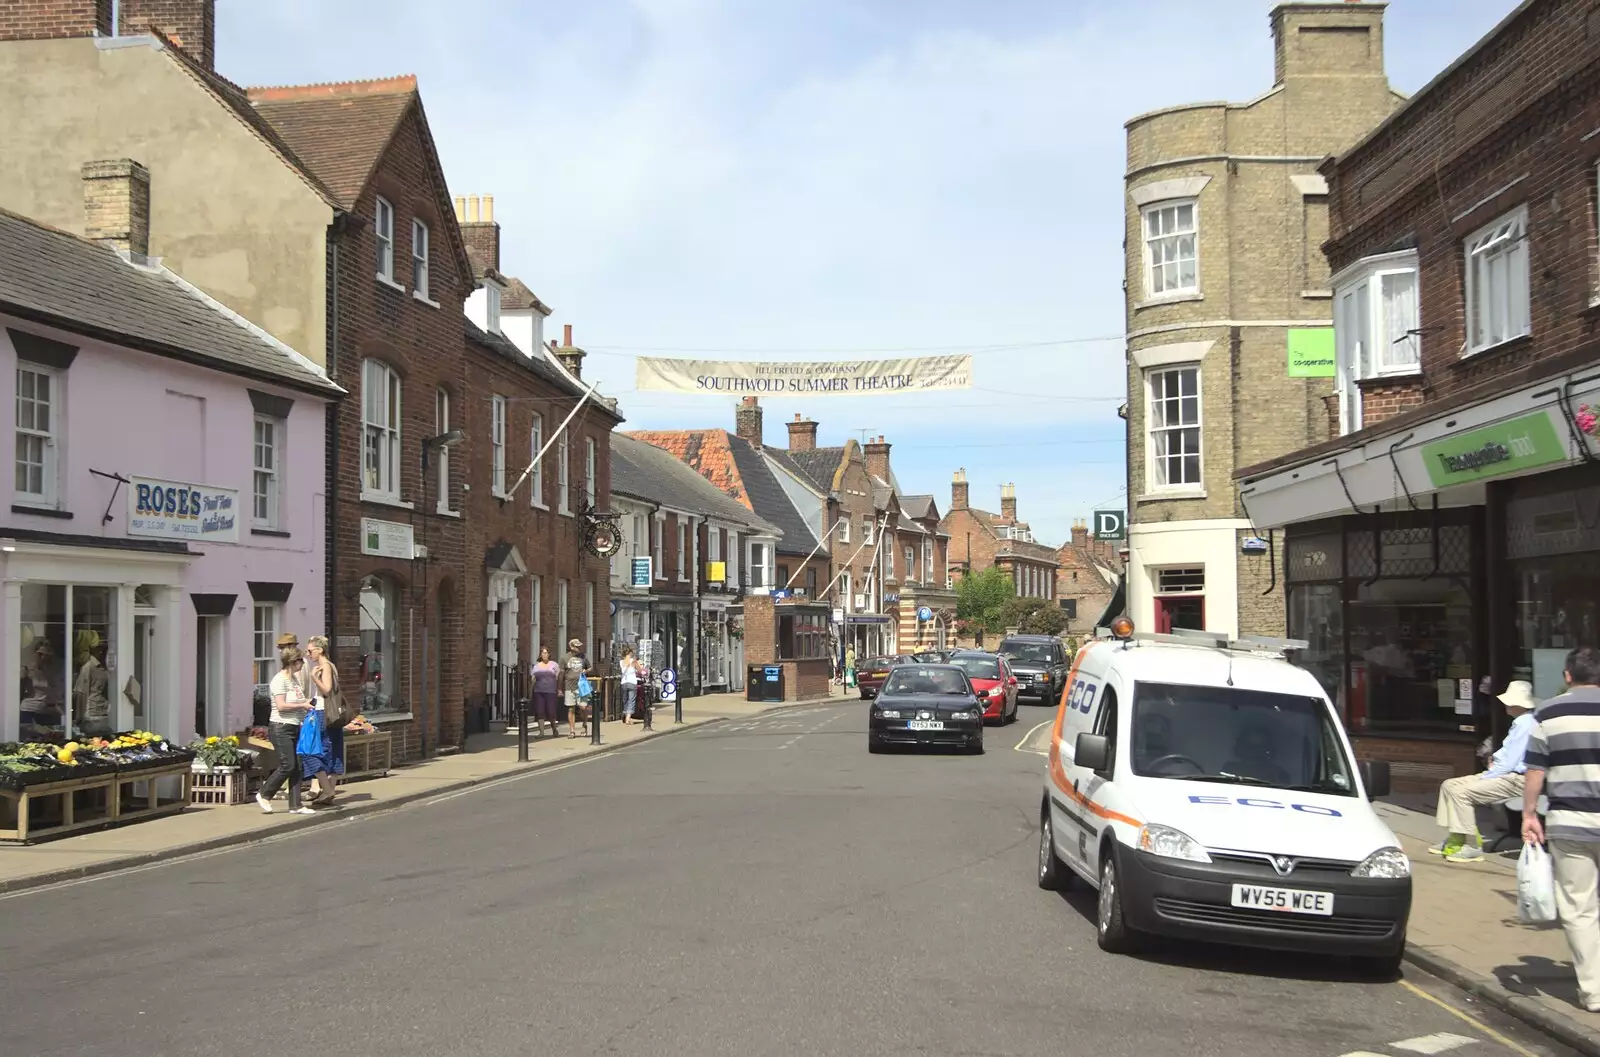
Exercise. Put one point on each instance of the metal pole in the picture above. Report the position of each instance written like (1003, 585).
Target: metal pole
(645, 701)
(522, 728)
(677, 707)
(596, 703)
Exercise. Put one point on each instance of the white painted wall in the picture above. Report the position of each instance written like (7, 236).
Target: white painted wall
(1164, 544)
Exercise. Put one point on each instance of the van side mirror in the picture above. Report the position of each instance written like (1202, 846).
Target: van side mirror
(1091, 751)
(1374, 777)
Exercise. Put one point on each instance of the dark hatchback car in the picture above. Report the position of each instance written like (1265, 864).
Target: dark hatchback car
(1040, 664)
(873, 671)
(926, 704)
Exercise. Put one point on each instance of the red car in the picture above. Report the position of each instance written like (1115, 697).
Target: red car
(992, 681)
(873, 671)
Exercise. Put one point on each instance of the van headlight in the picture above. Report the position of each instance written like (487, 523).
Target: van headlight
(1170, 843)
(1385, 862)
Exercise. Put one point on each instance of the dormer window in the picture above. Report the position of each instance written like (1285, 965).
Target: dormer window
(492, 299)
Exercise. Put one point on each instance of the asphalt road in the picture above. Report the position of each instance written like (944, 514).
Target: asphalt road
(750, 888)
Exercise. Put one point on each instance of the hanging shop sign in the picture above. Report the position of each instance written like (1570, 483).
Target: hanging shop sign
(178, 510)
(641, 571)
(1311, 352)
(915, 374)
(387, 539)
(1110, 524)
(1521, 443)
(716, 572)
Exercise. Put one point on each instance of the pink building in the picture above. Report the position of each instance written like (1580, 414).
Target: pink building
(164, 521)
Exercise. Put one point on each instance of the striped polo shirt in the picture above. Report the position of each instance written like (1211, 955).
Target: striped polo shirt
(1565, 744)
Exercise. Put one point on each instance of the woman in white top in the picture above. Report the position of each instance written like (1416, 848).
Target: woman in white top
(630, 683)
(289, 706)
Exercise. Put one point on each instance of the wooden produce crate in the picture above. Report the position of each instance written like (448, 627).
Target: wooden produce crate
(367, 755)
(221, 786)
(53, 809)
(136, 794)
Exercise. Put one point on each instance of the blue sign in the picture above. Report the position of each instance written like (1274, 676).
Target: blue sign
(924, 614)
(669, 684)
(772, 673)
(641, 571)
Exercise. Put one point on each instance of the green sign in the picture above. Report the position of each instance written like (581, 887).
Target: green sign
(1110, 525)
(1311, 352)
(1505, 447)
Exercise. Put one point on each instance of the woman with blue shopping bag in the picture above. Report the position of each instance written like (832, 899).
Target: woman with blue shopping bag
(575, 686)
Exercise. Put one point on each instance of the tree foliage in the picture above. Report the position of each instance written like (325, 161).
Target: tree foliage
(982, 598)
(1035, 616)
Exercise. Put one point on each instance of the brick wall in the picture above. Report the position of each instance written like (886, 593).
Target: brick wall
(855, 504)
(43, 19)
(190, 24)
(760, 630)
(1384, 398)
(1507, 127)
(1261, 588)
(424, 346)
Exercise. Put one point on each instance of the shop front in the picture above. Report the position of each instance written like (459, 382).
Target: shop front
(1429, 563)
(718, 644)
(672, 624)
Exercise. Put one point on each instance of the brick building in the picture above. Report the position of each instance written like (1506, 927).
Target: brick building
(1087, 578)
(1441, 538)
(319, 213)
(980, 539)
(1228, 309)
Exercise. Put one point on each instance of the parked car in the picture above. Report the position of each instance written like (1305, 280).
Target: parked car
(926, 704)
(1040, 664)
(873, 671)
(992, 680)
(933, 656)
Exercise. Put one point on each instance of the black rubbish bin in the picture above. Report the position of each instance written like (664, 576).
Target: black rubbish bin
(763, 682)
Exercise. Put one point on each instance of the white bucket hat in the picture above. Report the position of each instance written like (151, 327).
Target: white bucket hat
(1519, 694)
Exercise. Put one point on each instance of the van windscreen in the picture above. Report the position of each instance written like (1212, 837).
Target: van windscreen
(1238, 737)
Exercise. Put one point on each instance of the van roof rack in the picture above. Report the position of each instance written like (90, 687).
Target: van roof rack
(1217, 640)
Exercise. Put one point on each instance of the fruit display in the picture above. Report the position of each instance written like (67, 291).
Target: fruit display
(359, 725)
(32, 763)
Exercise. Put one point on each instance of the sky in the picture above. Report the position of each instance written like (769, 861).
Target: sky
(826, 179)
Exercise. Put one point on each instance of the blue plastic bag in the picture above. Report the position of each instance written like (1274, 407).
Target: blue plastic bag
(310, 743)
(584, 687)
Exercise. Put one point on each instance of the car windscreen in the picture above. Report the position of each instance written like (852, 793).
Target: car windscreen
(914, 679)
(978, 667)
(1028, 652)
(872, 663)
(1238, 737)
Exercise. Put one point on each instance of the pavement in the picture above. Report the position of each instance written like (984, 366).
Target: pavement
(488, 757)
(755, 886)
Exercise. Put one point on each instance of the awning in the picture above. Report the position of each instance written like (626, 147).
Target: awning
(1118, 603)
(1529, 430)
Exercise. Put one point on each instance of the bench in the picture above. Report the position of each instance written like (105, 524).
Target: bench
(1512, 808)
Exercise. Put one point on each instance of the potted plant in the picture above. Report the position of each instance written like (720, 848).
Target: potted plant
(214, 753)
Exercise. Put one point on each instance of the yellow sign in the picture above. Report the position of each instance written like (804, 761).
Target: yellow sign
(716, 572)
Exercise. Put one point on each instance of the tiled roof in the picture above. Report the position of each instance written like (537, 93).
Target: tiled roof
(338, 130)
(505, 349)
(518, 298)
(52, 277)
(644, 471)
(918, 506)
(818, 465)
(739, 470)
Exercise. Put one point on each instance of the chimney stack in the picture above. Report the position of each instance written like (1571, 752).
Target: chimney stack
(475, 218)
(1080, 532)
(190, 24)
(1324, 40)
(1008, 501)
(51, 19)
(747, 421)
(878, 458)
(958, 490)
(116, 205)
(802, 434)
(570, 355)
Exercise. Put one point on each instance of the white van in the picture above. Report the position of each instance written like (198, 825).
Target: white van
(1207, 789)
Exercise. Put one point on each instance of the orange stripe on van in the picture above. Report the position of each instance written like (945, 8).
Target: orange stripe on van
(1058, 773)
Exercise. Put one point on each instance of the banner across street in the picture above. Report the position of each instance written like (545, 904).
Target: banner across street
(915, 374)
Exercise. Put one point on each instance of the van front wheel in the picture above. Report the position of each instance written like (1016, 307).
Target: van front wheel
(1111, 929)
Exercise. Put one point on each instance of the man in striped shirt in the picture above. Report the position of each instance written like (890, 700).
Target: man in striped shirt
(1564, 763)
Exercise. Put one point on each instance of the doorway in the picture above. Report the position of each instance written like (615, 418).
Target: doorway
(144, 631)
(210, 683)
(1180, 612)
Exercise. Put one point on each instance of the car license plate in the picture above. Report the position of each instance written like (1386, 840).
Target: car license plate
(1284, 900)
(925, 724)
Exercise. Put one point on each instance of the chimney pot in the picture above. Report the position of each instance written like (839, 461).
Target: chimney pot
(472, 209)
(566, 334)
(461, 209)
(116, 205)
(958, 490)
(488, 209)
(747, 421)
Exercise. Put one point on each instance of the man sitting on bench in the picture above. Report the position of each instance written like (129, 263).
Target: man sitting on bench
(1502, 781)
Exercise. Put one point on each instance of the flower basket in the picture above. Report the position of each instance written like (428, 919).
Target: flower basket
(220, 785)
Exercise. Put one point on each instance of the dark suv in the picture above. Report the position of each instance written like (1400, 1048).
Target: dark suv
(1040, 665)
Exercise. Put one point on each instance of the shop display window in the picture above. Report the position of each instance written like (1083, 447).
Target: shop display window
(1553, 552)
(67, 642)
(380, 646)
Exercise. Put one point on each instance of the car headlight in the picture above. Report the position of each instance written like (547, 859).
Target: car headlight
(964, 715)
(1170, 843)
(887, 713)
(1385, 862)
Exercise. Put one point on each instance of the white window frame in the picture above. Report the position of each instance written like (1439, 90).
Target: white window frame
(49, 440)
(658, 533)
(1364, 349)
(756, 561)
(1153, 483)
(713, 544)
(264, 640)
(589, 470)
(1175, 236)
(381, 415)
(441, 426)
(383, 228)
(419, 260)
(491, 297)
(564, 474)
(866, 530)
(497, 445)
(561, 616)
(588, 619)
(683, 550)
(535, 625)
(844, 528)
(266, 480)
(927, 561)
(639, 541)
(536, 479)
(1503, 239)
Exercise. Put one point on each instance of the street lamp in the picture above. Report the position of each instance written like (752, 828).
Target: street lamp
(444, 441)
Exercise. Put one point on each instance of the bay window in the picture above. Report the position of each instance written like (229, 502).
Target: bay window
(1376, 324)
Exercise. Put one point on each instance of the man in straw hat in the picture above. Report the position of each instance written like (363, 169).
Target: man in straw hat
(1503, 780)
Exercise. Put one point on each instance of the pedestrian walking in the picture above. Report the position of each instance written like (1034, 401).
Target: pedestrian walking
(630, 684)
(1501, 781)
(326, 763)
(289, 706)
(574, 670)
(1564, 764)
(546, 692)
(849, 667)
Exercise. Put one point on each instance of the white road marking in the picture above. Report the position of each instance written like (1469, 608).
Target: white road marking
(1362, 1053)
(1019, 745)
(1438, 1042)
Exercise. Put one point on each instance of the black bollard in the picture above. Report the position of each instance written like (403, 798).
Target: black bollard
(522, 730)
(596, 704)
(677, 707)
(646, 702)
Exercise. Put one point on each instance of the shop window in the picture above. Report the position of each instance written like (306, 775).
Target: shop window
(1552, 536)
(1408, 550)
(380, 667)
(1410, 641)
(68, 643)
(1497, 282)
(380, 441)
(802, 635)
(38, 422)
(1180, 602)
(1316, 615)
(264, 638)
(1174, 427)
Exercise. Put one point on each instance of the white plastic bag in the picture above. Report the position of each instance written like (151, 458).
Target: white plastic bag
(1536, 886)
